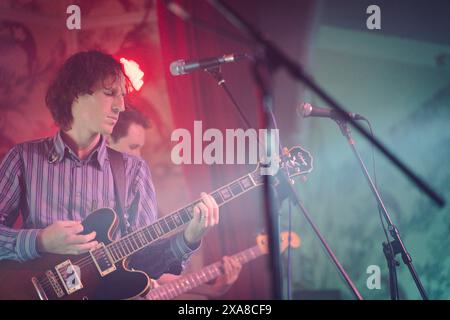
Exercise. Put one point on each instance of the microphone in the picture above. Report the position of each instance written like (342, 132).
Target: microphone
(307, 110)
(183, 67)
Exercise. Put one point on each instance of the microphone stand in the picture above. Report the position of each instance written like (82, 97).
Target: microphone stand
(395, 246)
(272, 220)
(263, 77)
(218, 76)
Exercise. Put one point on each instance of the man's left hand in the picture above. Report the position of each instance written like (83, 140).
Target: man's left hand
(206, 216)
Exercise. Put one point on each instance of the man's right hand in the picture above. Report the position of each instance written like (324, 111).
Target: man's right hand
(62, 237)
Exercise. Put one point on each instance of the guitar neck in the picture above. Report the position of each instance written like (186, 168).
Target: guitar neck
(145, 236)
(188, 282)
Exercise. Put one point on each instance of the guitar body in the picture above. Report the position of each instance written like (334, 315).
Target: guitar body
(16, 277)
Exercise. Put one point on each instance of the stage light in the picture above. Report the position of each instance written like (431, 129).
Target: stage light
(133, 72)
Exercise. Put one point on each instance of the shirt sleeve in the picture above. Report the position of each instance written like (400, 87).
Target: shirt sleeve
(164, 256)
(19, 245)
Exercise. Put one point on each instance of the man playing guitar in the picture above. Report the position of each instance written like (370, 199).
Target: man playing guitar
(57, 182)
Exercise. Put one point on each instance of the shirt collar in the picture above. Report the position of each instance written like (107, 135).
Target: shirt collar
(60, 150)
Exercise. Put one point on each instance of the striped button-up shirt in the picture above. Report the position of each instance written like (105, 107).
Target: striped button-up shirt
(46, 181)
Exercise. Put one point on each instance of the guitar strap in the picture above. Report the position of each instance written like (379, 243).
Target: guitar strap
(118, 171)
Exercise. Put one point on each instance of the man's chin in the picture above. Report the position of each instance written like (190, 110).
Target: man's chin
(106, 130)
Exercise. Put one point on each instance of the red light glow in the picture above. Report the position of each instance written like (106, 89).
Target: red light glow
(133, 72)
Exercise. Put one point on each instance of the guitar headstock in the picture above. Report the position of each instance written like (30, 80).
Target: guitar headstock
(296, 160)
(285, 241)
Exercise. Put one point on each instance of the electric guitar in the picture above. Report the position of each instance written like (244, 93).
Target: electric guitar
(103, 272)
(188, 282)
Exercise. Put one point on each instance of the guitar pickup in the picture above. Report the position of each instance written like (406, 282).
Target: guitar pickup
(70, 276)
(102, 259)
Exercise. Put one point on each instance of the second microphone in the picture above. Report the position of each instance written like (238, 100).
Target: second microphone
(307, 110)
(183, 67)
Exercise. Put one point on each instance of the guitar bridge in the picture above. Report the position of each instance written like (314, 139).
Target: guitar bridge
(39, 290)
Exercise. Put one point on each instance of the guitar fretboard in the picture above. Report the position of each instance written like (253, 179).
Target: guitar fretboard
(188, 282)
(143, 237)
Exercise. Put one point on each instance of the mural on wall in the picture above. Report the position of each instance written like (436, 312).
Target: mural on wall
(20, 72)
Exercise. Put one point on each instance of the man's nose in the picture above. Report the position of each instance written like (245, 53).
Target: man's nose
(118, 104)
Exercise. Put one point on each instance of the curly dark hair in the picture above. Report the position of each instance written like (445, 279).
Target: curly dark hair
(126, 118)
(79, 74)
